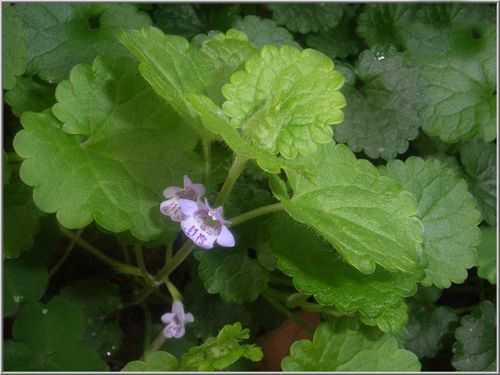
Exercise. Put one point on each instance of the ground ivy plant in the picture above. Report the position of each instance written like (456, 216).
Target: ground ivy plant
(183, 182)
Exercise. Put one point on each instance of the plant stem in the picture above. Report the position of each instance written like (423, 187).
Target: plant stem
(118, 266)
(234, 172)
(67, 253)
(158, 343)
(124, 248)
(168, 253)
(174, 292)
(207, 146)
(139, 258)
(264, 210)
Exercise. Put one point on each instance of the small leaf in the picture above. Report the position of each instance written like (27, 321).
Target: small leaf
(262, 31)
(367, 217)
(480, 164)
(53, 333)
(232, 274)
(25, 282)
(286, 100)
(60, 36)
(304, 18)
(117, 160)
(487, 255)
(154, 361)
(344, 345)
(317, 270)
(30, 95)
(475, 348)
(218, 353)
(427, 326)
(448, 213)
(14, 49)
(22, 219)
(381, 117)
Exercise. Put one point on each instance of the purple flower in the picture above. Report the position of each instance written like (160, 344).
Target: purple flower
(176, 321)
(170, 207)
(205, 225)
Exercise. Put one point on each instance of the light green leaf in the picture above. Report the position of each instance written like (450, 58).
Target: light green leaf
(475, 348)
(304, 18)
(455, 46)
(427, 325)
(285, 100)
(317, 270)
(448, 213)
(25, 282)
(53, 334)
(60, 36)
(232, 274)
(386, 24)
(487, 255)
(381, 117)
(218, 353)
(480, 164)
(14, 50)
(132, 148)
(344, 345)
(154, 361)
(176, 69)
(30, 95)
(22, 219)
(262, 31)
(367, 217)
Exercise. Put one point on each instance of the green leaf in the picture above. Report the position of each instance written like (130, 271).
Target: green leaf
(448, 213)
(7, 170)
(60, 36)
(317, 270)
(218, 353)
(210, 311)
(30, 95)
(232, 274)
(487, 255)
(22, 219)
(455, 46)
(304, 18)
(344, 345)
(340, 41)
(427, 325)
(381, 117)
(154, 361)
(98, 300)
(14, 50)
(367, 217)
(176, 69)
(25, 282)
(180, 19)
(386, 24)
(262, 31)
(53, 333)
(480, 164)
(122, 157)
(475, 348)
(286, 100)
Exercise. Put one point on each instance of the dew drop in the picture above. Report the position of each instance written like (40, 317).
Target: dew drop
(108, 354)
(45, 311)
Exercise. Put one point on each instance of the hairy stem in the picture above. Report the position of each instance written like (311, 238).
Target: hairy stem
(265, 210)
(139, 258)
(234, 172)
(116, 265)
(67, 253)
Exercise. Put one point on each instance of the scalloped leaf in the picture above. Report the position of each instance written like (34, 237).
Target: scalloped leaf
(14, 49)
(30, 95)
(480, 164)
(305, 18)
(286, 100)
(317, 270)
(487, 255)
(153, 361)
(449, 215)
(111, 177)
(368, 218)
(381, 117)
(344, 345)
(263, 31)
(62, 35)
